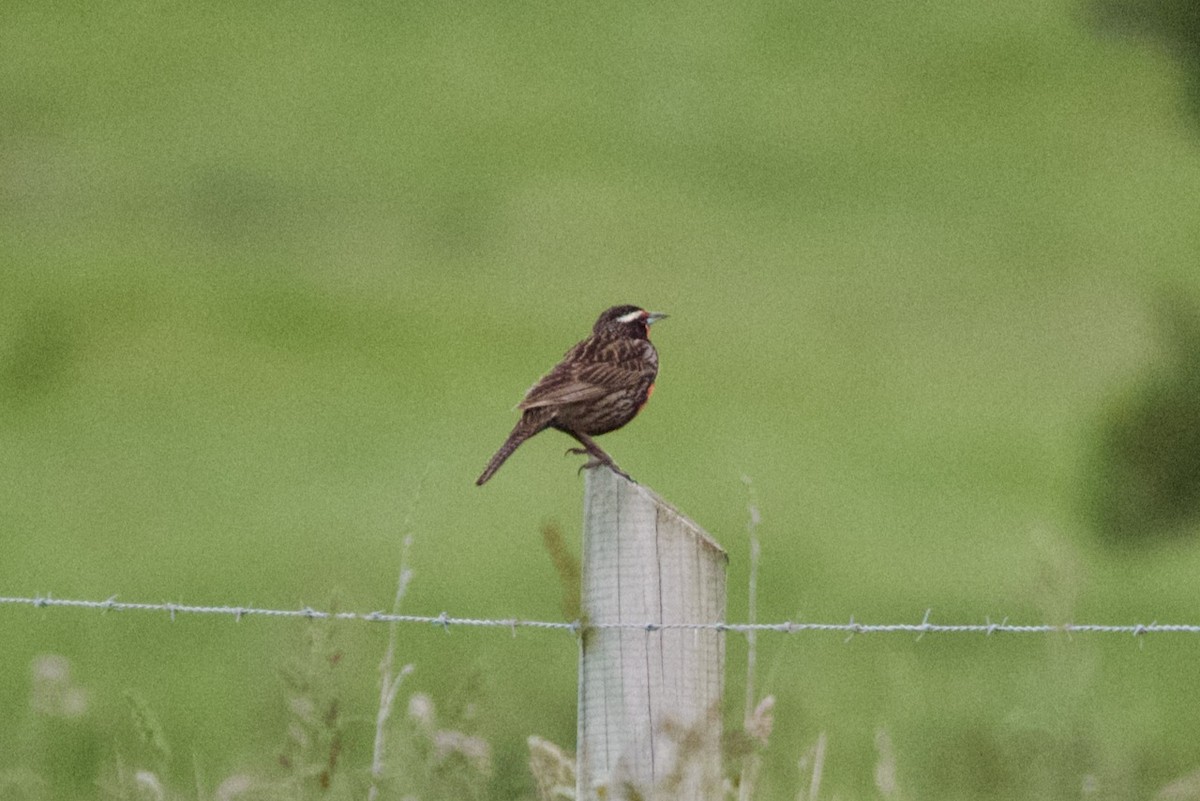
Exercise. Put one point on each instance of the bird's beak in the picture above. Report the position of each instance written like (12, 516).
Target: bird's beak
(654, 317)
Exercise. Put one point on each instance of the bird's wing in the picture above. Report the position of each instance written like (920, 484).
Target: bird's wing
(582, 375)
(568, 382)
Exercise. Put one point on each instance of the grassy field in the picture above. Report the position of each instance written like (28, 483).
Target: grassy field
(274, 277)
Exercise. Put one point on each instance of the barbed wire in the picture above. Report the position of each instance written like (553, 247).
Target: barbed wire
(446, 621)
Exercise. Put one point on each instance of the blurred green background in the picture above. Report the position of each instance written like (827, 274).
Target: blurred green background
(273, 276)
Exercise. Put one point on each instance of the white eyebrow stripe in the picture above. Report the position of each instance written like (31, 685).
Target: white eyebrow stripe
(629, 318)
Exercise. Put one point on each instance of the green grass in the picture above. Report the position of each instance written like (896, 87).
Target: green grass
(267, 270)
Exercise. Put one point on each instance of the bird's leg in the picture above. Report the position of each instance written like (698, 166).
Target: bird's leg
(590, 448)
(597, 454)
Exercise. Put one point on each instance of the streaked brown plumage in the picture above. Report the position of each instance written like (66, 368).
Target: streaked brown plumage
(600, 385)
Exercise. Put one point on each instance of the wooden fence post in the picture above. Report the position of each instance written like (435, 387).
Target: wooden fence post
(649, 699)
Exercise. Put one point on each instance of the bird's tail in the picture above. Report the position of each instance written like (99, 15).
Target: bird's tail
(520, 433)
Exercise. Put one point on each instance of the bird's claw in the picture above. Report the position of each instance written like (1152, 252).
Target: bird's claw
(590, 464)
(593, 463)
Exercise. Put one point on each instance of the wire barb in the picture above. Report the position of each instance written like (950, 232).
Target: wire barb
(925, 626)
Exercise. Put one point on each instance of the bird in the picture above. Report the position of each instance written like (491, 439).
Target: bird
(600, 385)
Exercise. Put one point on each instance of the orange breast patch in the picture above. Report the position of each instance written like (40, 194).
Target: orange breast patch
(649, 392)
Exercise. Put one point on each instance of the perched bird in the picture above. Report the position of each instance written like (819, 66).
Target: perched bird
(600, 385)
